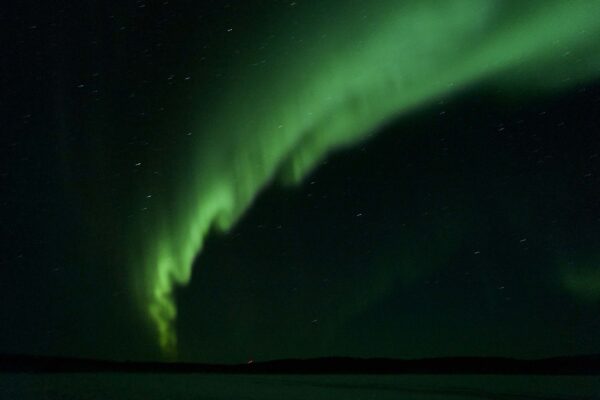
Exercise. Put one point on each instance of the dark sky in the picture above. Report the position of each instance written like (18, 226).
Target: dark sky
(467, 224)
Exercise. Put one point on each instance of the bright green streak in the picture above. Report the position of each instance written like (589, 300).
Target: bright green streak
(350, 73)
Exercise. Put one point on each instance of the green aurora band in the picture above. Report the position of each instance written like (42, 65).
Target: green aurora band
(333, 83)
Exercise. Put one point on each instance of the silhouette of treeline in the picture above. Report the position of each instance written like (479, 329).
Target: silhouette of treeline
(568, 365)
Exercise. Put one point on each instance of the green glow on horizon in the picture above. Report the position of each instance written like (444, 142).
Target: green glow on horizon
(280, 119)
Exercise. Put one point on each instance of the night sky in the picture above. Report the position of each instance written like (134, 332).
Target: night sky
(223, 181)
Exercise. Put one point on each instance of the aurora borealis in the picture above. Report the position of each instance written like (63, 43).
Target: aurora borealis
(403, 56)
(180, 126)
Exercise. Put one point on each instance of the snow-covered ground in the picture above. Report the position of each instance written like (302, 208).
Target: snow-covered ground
(290, 387)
